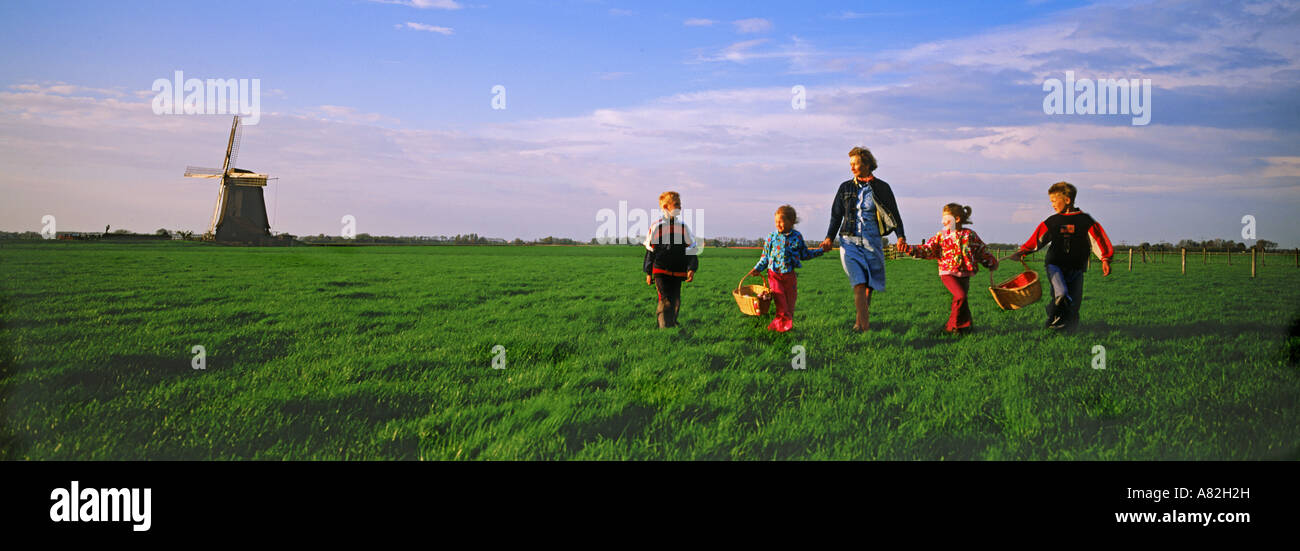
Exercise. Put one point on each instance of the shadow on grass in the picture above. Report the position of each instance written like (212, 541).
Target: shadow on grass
(629, 422)
(1202, 328)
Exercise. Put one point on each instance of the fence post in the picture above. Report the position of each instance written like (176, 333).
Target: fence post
(1229, 256)
(1130, 258)
(1297, 258)
(1184, 269)
(1252, 262)
(1205, 258)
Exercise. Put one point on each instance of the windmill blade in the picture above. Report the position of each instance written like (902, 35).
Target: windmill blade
(234, 127)
(216, 212)
(234, 148)
(202, 172)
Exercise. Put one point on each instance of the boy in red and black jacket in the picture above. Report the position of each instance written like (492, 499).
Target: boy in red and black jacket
(1069, 236)
(671, 258)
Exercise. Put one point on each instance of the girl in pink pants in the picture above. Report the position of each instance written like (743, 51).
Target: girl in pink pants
(959, 252)
(782, 251)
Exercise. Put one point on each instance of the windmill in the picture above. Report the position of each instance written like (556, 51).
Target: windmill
(240, 214)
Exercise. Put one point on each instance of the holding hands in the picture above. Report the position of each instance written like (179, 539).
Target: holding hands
(826, 244)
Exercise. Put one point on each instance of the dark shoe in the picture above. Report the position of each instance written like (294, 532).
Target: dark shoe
(1060, 312)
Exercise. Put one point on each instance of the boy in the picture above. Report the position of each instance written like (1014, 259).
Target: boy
(1070, 235)
(670, 258)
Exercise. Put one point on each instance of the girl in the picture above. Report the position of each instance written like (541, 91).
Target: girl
(782, 251)
(958, 249)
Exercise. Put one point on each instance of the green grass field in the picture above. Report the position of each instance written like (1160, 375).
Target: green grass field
(387, 353)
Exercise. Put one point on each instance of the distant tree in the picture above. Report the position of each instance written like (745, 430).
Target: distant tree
(517, 241)
(161, 232)
(122, 231)
(1265, 245)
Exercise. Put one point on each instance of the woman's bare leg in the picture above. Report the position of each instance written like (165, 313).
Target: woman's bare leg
(862, 302)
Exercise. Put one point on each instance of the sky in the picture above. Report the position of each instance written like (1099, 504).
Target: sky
(384, 111)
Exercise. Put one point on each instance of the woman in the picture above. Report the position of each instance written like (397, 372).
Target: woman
(863, 212)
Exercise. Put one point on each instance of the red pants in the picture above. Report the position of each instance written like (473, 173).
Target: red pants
(785, 290)
(959, 319)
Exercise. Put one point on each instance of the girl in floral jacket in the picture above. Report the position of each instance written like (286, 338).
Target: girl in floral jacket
(959, 251)
(782, 252)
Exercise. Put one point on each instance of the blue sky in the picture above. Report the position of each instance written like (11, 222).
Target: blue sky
(382, 110)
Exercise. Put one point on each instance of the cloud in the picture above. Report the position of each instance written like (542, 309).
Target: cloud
(64, 89)
(425, 4)
(752, 25)
(697, 22)
(739, 51)
(429, 28)
(621, 13)
(338, 113)
(615, 75)
(850, 15)
(734, 152)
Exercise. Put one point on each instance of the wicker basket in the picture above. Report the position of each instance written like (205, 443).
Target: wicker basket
(748, 298)
(1017, 292)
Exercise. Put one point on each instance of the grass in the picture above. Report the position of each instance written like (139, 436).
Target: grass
(386, 353)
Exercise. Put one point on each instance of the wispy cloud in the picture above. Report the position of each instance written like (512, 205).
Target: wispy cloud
(752, 25)
(697, 22)
(621, 12)
(733, 152)
(425, 4)
(613, 75)
(738, 52)
(850, 15)
(427, 28)
(747, 50)
(64, 89)
(339, 113)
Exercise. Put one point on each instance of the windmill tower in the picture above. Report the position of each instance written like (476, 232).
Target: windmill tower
(240, 214)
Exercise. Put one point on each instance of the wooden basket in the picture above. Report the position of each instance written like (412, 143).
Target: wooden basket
(1018, 292)
(748, 298)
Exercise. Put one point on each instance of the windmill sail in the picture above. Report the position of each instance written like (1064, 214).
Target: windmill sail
(225, 165)
(203, 172)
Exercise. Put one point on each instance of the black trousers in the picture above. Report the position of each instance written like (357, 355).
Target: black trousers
(670, 298)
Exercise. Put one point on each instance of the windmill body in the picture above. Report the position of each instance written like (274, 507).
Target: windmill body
(240, 214)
